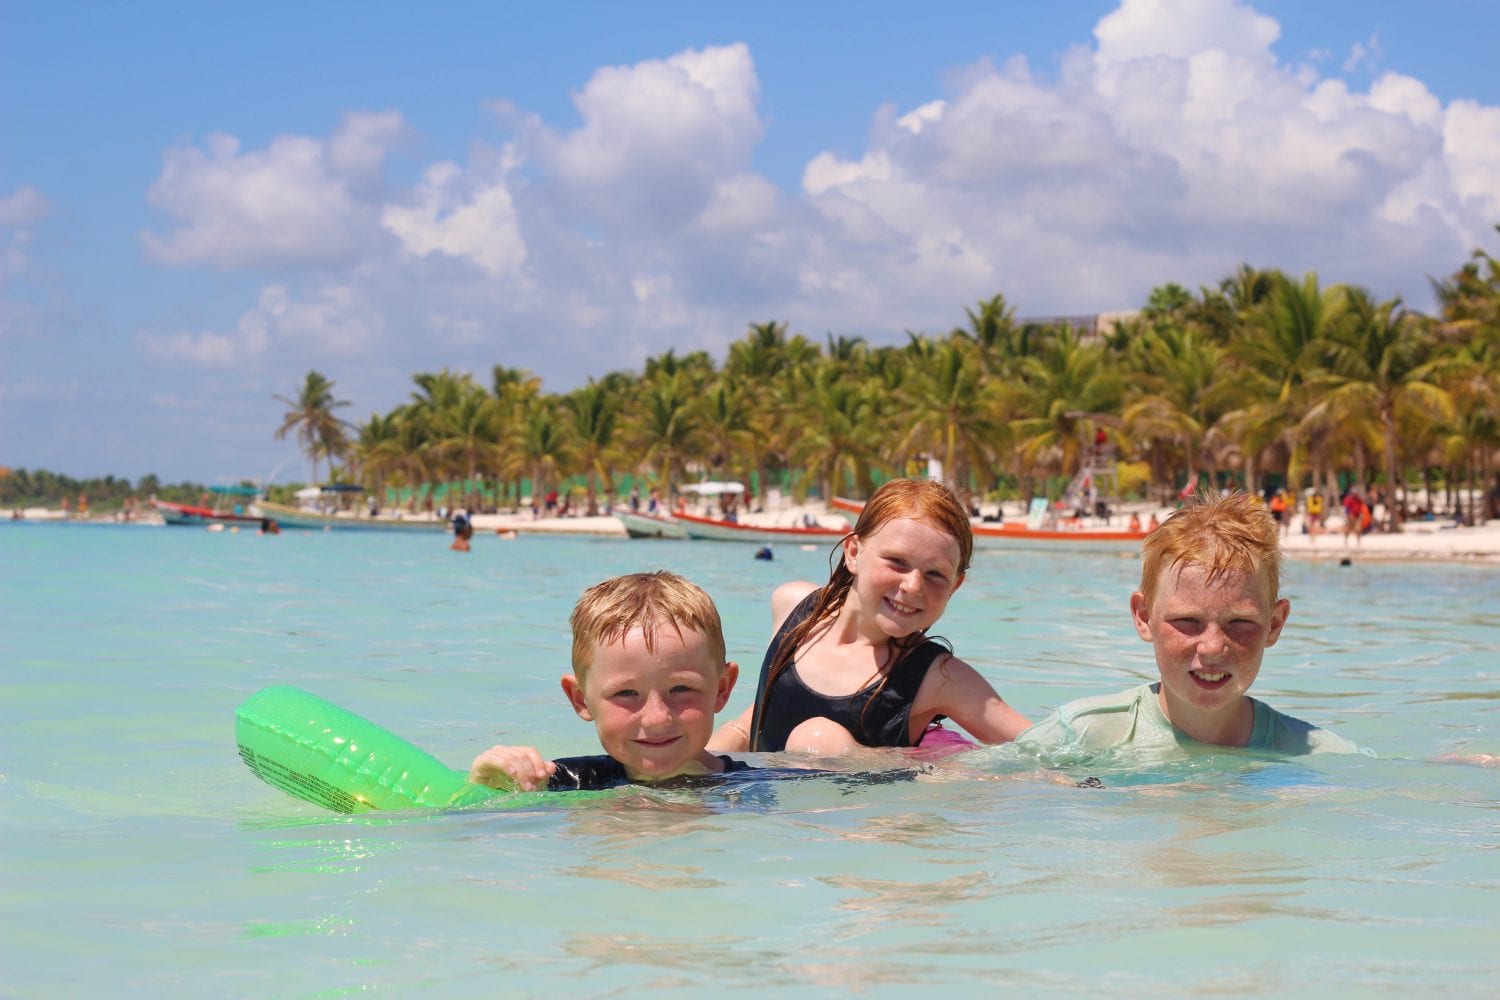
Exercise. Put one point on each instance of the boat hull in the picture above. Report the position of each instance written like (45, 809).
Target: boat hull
(850, 509)
(293, 517)
(723, 531)
(638, 525)
(192, 516)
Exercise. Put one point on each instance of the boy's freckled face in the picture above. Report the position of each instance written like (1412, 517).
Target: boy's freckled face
(1209, 638)
(653, 709)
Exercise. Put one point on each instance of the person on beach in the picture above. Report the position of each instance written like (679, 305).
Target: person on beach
(1356, 517)
(1209, 605)
(1314, 515)
(649, 672)
(851, 663)
(1281, 512)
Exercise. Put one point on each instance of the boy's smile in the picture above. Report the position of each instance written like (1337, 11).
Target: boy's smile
(1209, 640)
(654, 709)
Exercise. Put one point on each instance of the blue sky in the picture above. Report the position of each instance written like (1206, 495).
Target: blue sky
(201, 202)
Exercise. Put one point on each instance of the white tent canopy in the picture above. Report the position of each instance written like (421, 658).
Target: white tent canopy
(711, 488)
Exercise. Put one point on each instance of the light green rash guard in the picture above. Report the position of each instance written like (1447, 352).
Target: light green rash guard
(1134, 719)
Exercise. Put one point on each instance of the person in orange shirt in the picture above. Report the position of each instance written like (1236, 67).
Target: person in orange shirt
(1279, 512)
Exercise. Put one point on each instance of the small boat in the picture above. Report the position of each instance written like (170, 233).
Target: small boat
(1018, 535)
(731, 531)
(639, 525)
(197, 516)
(850, 509)
(353, 520)
(1005, 536)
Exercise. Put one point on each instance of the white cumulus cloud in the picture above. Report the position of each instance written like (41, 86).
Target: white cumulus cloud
(332, 320)
(291, 204)
(1175, 149)
(461, 216)
(20, 211)
(657, 137)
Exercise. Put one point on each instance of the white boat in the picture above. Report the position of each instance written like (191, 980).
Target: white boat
(639, 525)
(731, 531)
(298, 517)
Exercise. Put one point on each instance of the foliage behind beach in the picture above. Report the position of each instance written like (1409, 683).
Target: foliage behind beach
(1263, 378)
(21, 488)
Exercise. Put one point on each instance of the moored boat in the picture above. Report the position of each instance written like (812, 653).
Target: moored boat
(196, 515)
(850, 509)
(730, 531)
(1018, 535)
(298, 517)
(639, 525)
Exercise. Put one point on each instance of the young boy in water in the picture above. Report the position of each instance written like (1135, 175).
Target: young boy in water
(649, 672)
(1209, 605)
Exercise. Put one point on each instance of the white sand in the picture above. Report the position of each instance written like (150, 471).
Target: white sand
(1418, 541)
(784, 516)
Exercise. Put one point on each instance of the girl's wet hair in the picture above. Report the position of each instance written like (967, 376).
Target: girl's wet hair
(925, 500)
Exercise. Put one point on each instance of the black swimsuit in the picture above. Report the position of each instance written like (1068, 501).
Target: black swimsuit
(603, 771)
(876, 716)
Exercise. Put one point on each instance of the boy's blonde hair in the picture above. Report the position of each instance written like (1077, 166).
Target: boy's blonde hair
(648, 601)
(1223, 534)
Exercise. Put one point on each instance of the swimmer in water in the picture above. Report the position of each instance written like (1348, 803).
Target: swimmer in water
(851, 663)
(649, 672)
(1209, 605)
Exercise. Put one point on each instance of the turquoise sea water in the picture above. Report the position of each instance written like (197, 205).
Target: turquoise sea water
(141, 858)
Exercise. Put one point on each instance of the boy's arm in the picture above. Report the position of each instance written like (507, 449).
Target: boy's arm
(957, 690)
(513, 769)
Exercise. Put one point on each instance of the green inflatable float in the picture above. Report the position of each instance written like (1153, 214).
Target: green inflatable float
(311, 748)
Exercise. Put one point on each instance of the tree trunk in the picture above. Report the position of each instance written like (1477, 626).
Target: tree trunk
(1392, 518)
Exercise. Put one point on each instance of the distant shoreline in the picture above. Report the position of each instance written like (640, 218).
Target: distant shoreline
(1420, 541)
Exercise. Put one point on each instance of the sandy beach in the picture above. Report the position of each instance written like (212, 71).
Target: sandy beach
(1438, 541)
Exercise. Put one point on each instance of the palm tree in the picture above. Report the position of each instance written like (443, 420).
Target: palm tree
(1378, 368)
(993, 326)
(759, 369)
(377, 450)
(1071, 390)
(839, 427)
(1176, 396)
(1280, 346)
(544, 447)
(952, 410)
(464, 432)
(728, 425)
(319, 432)
(667, 424)
(594, 411)
(515, 390)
